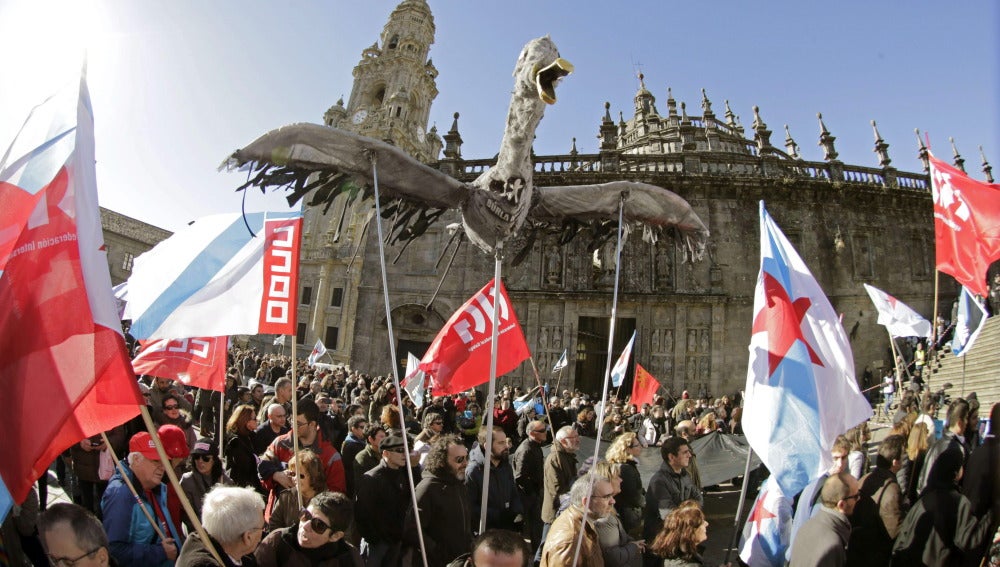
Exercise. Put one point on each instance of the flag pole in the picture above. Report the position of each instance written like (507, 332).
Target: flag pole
(392, 354)
(739, 507)
(488, 449)
(168, 467)
(295, 412)
(607, 368)
(541, 388)
(934, 314)
(131, 487)
(221, 424)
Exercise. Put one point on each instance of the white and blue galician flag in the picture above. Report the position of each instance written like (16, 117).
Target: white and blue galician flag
(621, 366)
(767, 533)
(561, 363)
(801, 392)
(971, 318)
(215, 278)
(899, 318)
(414, 380)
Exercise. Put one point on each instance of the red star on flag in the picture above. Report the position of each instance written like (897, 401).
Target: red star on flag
(781, 318)
(760, 513)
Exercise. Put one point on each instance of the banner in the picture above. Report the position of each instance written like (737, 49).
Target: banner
(317, 351)
(561, 363)
(899, 319)
(966, 225)
(214, 278)
(621, 366)
(644, 387)
(197, 362)
(64, 371)
(801, 392)
(459, 357)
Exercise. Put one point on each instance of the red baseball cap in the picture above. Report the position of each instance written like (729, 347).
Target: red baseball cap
(142, 443)
(174, 441)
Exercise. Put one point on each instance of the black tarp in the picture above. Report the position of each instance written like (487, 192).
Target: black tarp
(721, 457)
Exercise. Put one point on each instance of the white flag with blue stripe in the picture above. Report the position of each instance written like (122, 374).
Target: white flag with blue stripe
(561, 363)
(414, 380)
(215, 278)
(621, 367)
(971, 318)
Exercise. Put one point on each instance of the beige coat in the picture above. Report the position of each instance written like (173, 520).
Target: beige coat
(560, 544)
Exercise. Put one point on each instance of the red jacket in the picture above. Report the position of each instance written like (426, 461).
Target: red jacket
(280, 452)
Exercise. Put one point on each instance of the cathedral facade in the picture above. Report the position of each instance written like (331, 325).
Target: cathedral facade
(851, 224)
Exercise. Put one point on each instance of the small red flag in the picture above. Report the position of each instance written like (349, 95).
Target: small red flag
(644, 386)
(966, 225)
(199, 362)
(459, 357)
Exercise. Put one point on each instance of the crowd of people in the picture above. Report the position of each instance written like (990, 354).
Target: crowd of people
(347, 496)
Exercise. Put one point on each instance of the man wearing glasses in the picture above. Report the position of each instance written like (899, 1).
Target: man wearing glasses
(73, 537)
(383, 498)
(823, 538)
(559, 472)
(595, 495)
(528, 465)
(443, 502)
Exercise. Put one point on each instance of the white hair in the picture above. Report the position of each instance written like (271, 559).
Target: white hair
(272, 407)
(583, 488)
(563, 432)
(230, 511)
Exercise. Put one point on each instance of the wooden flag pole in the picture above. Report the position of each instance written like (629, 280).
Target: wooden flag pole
(295, 412)
(131, 488)
(545, 402)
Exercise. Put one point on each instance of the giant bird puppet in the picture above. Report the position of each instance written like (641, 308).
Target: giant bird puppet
(501, 205)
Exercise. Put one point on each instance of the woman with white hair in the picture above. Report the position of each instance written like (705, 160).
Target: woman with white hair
(233, 517)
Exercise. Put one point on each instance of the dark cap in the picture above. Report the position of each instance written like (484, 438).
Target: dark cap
(391, 442)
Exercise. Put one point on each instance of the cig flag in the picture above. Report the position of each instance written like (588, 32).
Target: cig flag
(801, 391)
(64, 371)
(621, 366)
(899, 319)
(414, 380)
(971, 318)
(767, 533)
(561, 363)
(459, 357)
(214, 278)
(198, 362)
(317, 351)
(966, 225)
(644, 387)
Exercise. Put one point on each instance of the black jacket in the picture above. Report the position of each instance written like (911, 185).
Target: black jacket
(503, 500)
(445, 517)
(195, 554)
(383, 499)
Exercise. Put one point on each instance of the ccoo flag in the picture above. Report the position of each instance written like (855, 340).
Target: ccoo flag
(197, 362)
(64, 371)
(317, 351)
(214, 278)
(899, 319)
(621, 366)
(414, 381)
(971, 318)
(966, 225)
(459, 357)
(800, 392)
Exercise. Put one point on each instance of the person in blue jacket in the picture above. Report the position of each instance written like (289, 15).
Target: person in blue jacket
(132, 539)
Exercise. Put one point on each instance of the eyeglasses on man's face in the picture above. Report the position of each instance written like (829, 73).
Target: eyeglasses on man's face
(70, 562)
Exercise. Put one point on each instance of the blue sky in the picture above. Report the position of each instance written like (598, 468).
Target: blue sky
(178, 85)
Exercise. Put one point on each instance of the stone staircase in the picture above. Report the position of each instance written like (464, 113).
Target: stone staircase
(981, 369)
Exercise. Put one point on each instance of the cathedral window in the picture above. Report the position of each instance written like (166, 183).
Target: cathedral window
(394, 42)
(379, 96)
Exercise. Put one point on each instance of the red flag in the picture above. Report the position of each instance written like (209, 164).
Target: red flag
(644, 386)
(459, 357)
(199, 362)
(966, 225)
(64, 371)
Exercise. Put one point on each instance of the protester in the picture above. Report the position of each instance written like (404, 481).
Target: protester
(879, 510)
(857, 458)
(917, 446)
(951, 438)
(317, 540)
(981, 484)
(133, 540)
(559, 472)
(940, 528)
(683, 531)
(174, 414)
(503, 502)
(528, 474)
(383, 498)
(207, 472)
(241, 461)
(495, 548)
(822, 541)
(625, 450)
(233, 518)
(443, 504)
(307, 470)
(72, 535)
(618, 549)
(669, 486)
(371, 455)
(274, 424)
(589, 493)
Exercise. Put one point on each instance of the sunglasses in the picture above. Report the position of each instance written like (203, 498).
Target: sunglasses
(317, 525)
(170, 407)
(204, 458)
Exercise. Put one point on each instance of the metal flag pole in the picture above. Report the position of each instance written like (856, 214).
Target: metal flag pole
(295, 413)
(739, 507)
(607, 369)
(488, 449)
(221, 423)
(392, 354)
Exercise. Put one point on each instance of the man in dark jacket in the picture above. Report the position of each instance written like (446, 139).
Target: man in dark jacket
(383, 498)
(354, 443)
(981, 484)
(233, 517)
(528, 465)
(670, 485)
(443, 504)
(503, 501)
(822, 541)
(879, 512)
(559, 472)
(371, 455)
(952, 438)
